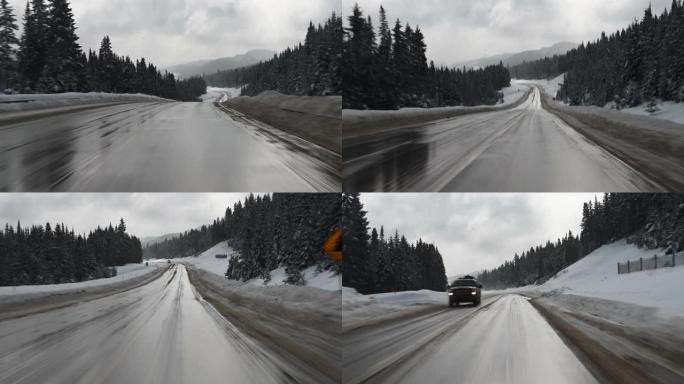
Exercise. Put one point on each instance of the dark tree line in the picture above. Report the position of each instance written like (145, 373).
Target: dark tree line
(376, 263)
(389, 70)
(632, 66)
(312, 68)
(270, 231)
(50, 60)
(43, 255)
(646, 219)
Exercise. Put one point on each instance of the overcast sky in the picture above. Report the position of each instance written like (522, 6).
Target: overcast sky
(477, 231)
(171, 32)
(150, 214)
(462, 30)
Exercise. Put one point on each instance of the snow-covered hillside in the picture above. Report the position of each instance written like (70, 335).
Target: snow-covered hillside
(667, 110)
(220, 95)
(596, 276)
(550, 87)
(207, 261)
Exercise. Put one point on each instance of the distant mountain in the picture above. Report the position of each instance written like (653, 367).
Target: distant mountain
(200, 67)
(145, 241)
(511, 59)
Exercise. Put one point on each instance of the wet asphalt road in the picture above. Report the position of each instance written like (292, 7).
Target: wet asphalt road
(162, 332)
(159, 147)
(524, 149)
(505, 340)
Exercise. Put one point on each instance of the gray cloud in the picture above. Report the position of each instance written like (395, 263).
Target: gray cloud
(146, 214)
(477, 231)
(461, 30)
(176, 31)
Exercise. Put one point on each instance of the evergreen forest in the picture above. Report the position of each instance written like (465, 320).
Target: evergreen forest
(47, 58)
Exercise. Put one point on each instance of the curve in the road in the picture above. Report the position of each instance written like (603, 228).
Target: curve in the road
(523, 149)
(162, 332)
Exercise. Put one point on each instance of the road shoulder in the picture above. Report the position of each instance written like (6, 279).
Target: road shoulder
(272, 315)
(652, 146)
(613, 350)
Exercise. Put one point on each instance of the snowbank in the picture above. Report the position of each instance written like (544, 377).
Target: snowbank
(127, 272)
(207, 261)
(327, 280)
(316, 119)
(550, 87)
(596, 276)
(512, 95)
(358, 309)
(361, 122)
(30, 102)
(667, 110)
(219, 95)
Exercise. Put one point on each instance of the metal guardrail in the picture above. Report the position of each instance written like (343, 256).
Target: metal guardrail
(655, 262)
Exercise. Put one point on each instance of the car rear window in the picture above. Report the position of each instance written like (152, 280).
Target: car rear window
(464, 283)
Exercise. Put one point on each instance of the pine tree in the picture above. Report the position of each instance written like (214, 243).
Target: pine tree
(63, 71)
(8, 41)
(33, 44)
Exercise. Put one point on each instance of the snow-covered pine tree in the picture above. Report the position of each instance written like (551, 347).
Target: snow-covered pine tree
(63, 71)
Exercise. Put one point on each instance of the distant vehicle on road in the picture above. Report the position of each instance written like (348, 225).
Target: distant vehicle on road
(464, 290)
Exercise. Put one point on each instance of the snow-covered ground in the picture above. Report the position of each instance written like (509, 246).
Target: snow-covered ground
(596, 276)
(327, 280)
(127, 272)
(550, 87)
(667, 110)
(220, 94)
(29, 102)
(207, 261)
(512, 95)
(358, 308)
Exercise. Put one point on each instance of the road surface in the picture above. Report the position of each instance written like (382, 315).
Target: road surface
(159, 147)
(523, 149)
(505, 340)
(162, 332)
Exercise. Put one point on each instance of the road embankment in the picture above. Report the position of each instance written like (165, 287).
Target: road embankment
(301, 324)
(652, 146)
(625, 346)
(24, 304)
(357, 123)
(316, 119)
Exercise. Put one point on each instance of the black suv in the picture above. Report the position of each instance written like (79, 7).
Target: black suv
(464, 290)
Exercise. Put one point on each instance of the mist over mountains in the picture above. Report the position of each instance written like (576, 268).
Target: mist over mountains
(511, 59)
(201, 67)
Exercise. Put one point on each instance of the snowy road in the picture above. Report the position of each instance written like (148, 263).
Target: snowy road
(158, 147)
(522, 149)
(162, 332)
(505, 340)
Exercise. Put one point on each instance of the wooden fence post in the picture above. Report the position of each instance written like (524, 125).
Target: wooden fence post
(655, 262)
(641, 263)
(628, 271)
(674, 260)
